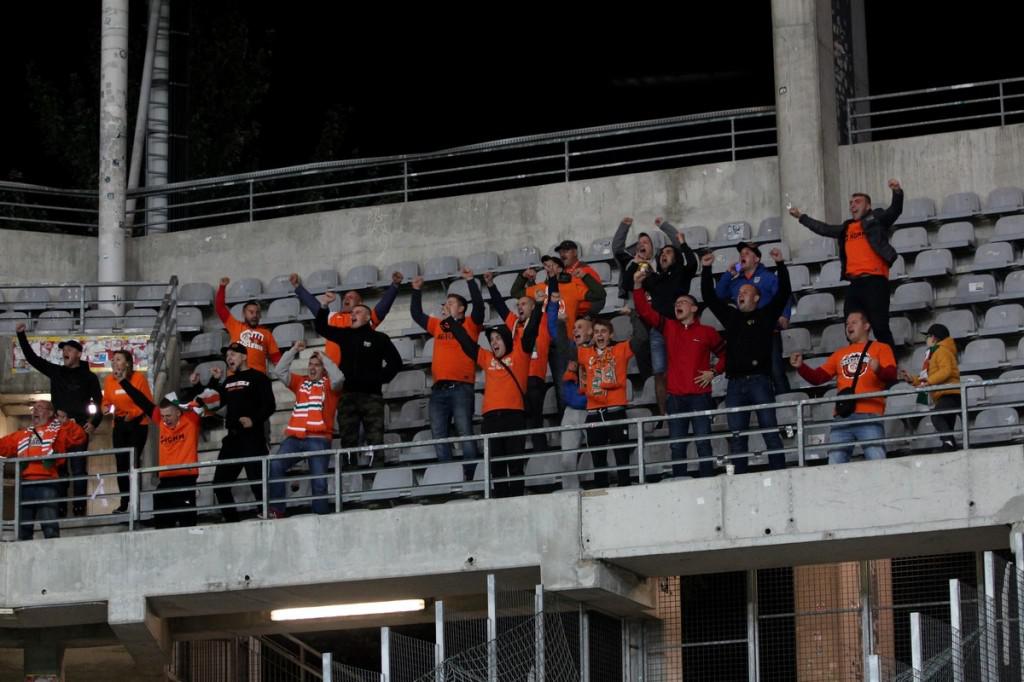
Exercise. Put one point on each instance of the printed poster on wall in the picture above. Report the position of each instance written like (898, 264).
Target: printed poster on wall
(96, 350)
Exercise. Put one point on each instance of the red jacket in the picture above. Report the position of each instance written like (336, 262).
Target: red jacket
(689, 348)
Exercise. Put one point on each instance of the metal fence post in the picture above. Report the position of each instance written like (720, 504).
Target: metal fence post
(492, 630)
(732, 137)
(250, 201)
(3, 472)
(439, 639)
(584, 644)
(133, 491)
(385, 653)
(989, 604)
(327, 665)
(963, 416)
(538, 633)
(866, 632)
(800, 434)
(17, 502)
(956, 625)
(642, 474)
(405, 181)
(916, 653)
(753, 664)
(81, 312)
(565, 155)
(337, 481)
(265, 485)
(1002, 105)
(487, 468)
(874, 668)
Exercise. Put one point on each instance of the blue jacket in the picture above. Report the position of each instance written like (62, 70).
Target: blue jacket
(728, 288)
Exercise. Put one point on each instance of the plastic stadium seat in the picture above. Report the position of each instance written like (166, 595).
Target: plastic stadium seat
(504, 283)
(729, 234)
(996, 424)
(521, 258)
(766, 250)
(1006, 393)
(910, 240)
(441, 268)
(482, 262)
(195, 294)
(833, 337)
(787, 415)
(600, 249)
(1009, 228)
(829, 277)
(55, 321)
(440, 479)
(902, 331)
(696, 236)
(413, 414)
(795, 340)
(983, 354)
(604, 271)
(902, 399)
(238, 311)
(207, 344)
(770, 230)
(550, 401)
(932, 263)
(723, 257)
(389, 484)
(10, 319)
(1005, 200)
(149, 296)
(407, 383)
(361, 276)
(814, 307)
(708, 318)
(815, 250)
(409, 269)
(622, 328)
(139, 319)
(282, 310)
(71, 297)
(974, 289)
(925, 437)
(1003, 319)
(1013, 286)
(912, 296)
(961, 323)
(203, 368)
(959, 235)
(960, 205)
(799, 277)
(241, 290)
(319, 281)
(33, 298)
(916, 211)
(278, 287)
(898, 269)
(972, 388)
(461, 288)
(991, 256)
(287, 334)
(647, 395)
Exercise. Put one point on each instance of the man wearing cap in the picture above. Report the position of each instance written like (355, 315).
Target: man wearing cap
(690, 345)
(872, 366)
(259, 341)
(865, 255)
(569, 252)
(249, 399)
(75, 391)
(940, 367)
(749, 269)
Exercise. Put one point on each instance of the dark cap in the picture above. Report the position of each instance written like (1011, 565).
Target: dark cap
(568, 244)
(556, 259)
(749, 245)
(237, 347)
(939, 331)
(70, 343)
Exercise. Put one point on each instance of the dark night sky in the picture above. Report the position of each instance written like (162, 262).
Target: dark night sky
(423, 83)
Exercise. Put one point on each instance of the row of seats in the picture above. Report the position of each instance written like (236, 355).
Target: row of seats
(97, 321)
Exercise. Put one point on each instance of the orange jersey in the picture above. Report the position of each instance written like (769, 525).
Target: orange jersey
(539, 357)
(500, 390)
(343, 320)
(54, 438)
(603, 375)
(843, 365)
(861, 259)
(571, 296)
(450, 362)
(258, 341)
(117, 402)
(315, 405)
(180, 444)
(584, 269)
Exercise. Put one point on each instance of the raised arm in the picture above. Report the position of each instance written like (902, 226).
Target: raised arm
(308, 299)
(475, 297)
(707, 292)
(416, 303)
(334, 373)
(383, 306)
(619, 241)
(42, 366)
(220, 300)
(532, 329)
(890, 214)
(780, 301)
(497, 302)
(643, 308)
(144, 403)
(283, 369)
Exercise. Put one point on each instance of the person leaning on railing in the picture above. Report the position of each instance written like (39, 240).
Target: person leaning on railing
(869, 364)
(131, 424)
(47, 435)
(940, 367)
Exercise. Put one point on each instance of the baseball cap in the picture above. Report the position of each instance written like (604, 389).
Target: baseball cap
(235, 346)
(749, 245)
(568, 244)
(71, 343)
(939, 331)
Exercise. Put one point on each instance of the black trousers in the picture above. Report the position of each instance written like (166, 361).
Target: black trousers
(499, 421)
(535, 390)
(237, 444)
(946, 422)
(870, 294)
(169, 495)
(608, 435)
(127, 434)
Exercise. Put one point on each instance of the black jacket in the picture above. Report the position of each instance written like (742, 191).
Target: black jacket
(877, 226)
(70, 389)
(748, 336)
(368, 358)
(667, 285)
(246, 394)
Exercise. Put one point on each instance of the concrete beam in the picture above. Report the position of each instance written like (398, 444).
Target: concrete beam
(143, 634)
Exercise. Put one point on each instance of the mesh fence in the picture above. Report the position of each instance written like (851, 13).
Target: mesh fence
(347, 673)
(244, 659)
(410, 658)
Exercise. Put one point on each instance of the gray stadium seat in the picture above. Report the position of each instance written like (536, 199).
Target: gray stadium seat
(902, 331)
(426, 353)
(813, 307)
(1006, 393)
(910, 240)
(959, 206)
(551, 400)
(600, 250)
(278, 287)
(996, 424)
(207, 344)
(409, 269)
(833, 337)
(461, 288)
(815, 250)
(149, 296)
(916, 211)
(1003, 319)
(902, 399)
(203, 368)
(521, 258)
(319, 281)
(961, 323)
(982, 354)
(482, 262)
(770, 230)
(974, 289)
(362, 276)
(991, 256)
(707, 317)
(287, 334)
(696, 236)
(389, 484)
(70, 298)
(622, 328)
(282, 310)
(441, 267)
(413, 414)
(504, 283)
(795, 340)
(1009, 228)
(242, 290)
(406, 347)
(237, 311)
(799, 277)
(912, 296)
(723, 257)
(10, 319)
(418, 453)
(612, 302)
(34, 298)
(976, 394)
(829, 277)
(407, 383)
(729, 234)
(1004, 200)
(139, 319)
(1013, 286)
(647, 395)
(198, 294)
(933, 263)
(766, 250)
(925, 438)
(787, 415)
(55, 321)
(604, 271)
(958, 235)
(898, 269)
(444, 478)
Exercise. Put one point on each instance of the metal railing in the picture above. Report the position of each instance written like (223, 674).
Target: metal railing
(501, 164)
(804, 442)
(933, 110)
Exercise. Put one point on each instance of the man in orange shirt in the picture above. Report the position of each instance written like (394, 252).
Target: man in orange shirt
(872, 365)
(569, 252)
(47, 436)
(258, 341)
(865, 254)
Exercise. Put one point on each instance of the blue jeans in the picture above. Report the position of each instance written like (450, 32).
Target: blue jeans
(45, 514)
(452, 400)
(852, 429)
(678, 428)
(659, 360)
(755, 389)
(317, 467)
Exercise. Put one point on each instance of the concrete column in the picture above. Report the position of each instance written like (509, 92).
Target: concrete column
(805, 102)
(113, 149)
(144, 634)
(44, 656)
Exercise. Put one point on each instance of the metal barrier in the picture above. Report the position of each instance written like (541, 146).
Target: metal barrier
(931, 110)
(804, 442)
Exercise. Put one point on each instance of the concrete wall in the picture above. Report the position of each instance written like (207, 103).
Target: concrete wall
(41, 257)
